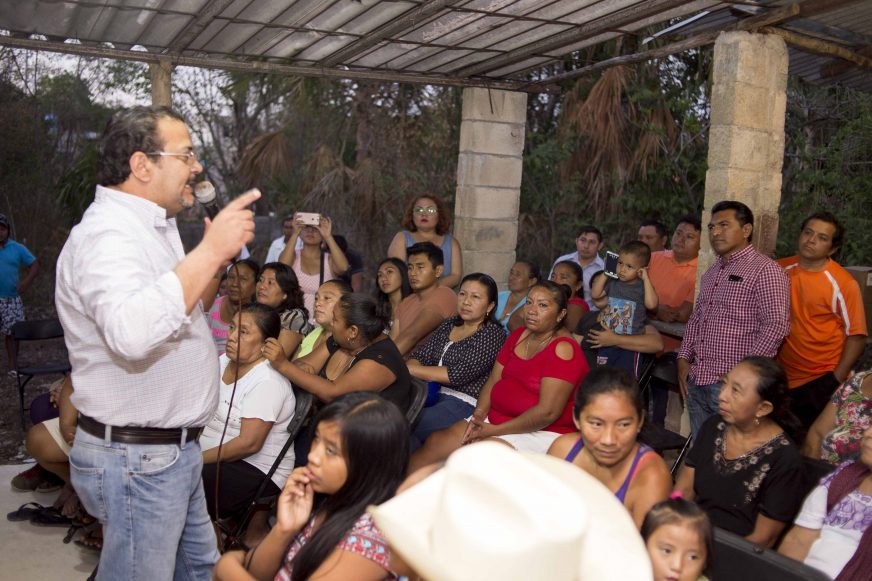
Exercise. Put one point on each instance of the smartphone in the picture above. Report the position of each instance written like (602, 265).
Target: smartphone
(308, 218)
(611, 269)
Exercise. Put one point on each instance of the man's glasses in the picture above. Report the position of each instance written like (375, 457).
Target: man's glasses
(427, 210)
(189, 156)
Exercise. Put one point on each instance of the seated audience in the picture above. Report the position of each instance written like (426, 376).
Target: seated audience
(262, 406)
(326, 297)
(313, 264)
(527, 400)
(357, 357)
(679, 539)
(459, 356)
(522, 276)
(277, 288)
(241, 287)
(743, 470)
(322, 528)
(570, 274)
(833, 532)
(654, 234)
(623, 303)
(835, 436)
(426, 219)
(827, 320)
(391, 287)
(429, 304)
(609, 414)
(587, 246)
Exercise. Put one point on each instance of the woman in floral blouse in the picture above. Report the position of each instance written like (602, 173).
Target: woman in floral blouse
(835, 435)
(743, 469)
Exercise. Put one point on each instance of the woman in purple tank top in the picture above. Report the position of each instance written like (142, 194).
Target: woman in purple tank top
(608, 413)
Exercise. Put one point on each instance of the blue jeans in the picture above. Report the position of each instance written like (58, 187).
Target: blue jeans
(447, 411)
(702, 403)
(151, 503)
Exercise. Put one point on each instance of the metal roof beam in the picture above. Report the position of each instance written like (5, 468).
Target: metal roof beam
(387, 30)
(198, 24)
(250, 66)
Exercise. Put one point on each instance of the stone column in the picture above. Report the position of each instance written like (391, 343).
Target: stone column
(746, 139)
(161, 83)
(489, 179)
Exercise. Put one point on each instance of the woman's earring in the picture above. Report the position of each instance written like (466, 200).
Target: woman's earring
(756, 421)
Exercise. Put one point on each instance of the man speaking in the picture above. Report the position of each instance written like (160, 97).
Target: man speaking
(144, 364)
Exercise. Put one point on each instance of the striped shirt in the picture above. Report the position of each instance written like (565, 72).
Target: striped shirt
(825, 309)
(743, 309)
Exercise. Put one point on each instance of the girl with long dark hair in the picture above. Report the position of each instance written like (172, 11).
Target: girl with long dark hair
(278, 288)
(392, 286)
(323, 529)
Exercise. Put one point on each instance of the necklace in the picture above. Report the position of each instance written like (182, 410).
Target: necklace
(539, 346)
(347, 365)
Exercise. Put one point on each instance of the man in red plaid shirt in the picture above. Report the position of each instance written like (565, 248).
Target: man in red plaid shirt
(743, 309)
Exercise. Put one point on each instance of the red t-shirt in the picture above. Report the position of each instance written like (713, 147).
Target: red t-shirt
(517, 390)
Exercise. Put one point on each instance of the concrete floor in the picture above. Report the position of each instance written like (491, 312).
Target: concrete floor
(28, 552)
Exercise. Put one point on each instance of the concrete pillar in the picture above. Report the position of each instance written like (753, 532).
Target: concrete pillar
(746, 139)
(161, 83)
(489, 179)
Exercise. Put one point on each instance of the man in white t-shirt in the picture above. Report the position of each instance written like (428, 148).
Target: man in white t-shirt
(275, 249)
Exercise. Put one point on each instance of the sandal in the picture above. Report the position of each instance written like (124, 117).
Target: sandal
(50, 517)
(25, 512)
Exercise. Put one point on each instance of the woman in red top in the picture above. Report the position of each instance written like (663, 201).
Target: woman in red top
(527, 400)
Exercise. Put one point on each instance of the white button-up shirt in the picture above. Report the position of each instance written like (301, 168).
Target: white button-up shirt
(137, 358)
(587, 272)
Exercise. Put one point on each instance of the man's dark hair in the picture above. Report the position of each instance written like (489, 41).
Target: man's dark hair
(433, 252)
(829, 219)
(660, 228)
(691, 220)
(126, 133)
(638, 249)
(744, 215)
(588, 229)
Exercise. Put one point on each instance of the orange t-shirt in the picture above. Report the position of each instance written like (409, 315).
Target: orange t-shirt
(825, 308)
(674, 284)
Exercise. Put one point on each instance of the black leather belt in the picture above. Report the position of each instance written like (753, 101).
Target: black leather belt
(134, 435)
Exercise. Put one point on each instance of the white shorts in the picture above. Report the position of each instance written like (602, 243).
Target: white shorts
(54, 428)
(536, 442)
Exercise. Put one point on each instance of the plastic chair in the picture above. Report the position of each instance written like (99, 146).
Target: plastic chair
(737, 558)
(35, 331)
(303, 406)
(419, 397)
(660, 439)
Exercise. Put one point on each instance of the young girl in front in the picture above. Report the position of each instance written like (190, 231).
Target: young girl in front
(323, 530)
(678, 536)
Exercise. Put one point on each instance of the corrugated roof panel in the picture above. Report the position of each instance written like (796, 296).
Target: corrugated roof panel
(264, 40)
(164, 29)
(471, 58)
(376, 16)
(294, 43)
(438, 59)
(412, 56)
(383, 53)
(325, 47)
(212, 29)
(519, 66)
(231, 37)
(538, 33)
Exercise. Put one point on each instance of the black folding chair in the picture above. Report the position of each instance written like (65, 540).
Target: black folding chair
(35, 331)
(419, 398)
(660, 439)
(737, 558)
(304, 401)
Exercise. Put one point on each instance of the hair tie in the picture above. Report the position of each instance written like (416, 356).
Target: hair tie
(676, 494)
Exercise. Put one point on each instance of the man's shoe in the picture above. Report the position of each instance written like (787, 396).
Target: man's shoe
(30, 479)
(50, 483)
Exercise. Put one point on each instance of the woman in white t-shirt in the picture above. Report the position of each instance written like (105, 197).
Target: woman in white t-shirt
(263, 405)
(833, 532)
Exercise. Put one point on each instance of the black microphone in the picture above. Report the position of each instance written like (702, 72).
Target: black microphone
(205, 193)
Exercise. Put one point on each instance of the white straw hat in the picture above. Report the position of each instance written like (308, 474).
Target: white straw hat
(493, 513)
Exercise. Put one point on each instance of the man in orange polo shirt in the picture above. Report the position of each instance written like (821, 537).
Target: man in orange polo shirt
(827, 320)
(673, 274)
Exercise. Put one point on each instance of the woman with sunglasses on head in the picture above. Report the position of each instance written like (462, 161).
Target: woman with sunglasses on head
(427, 220)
